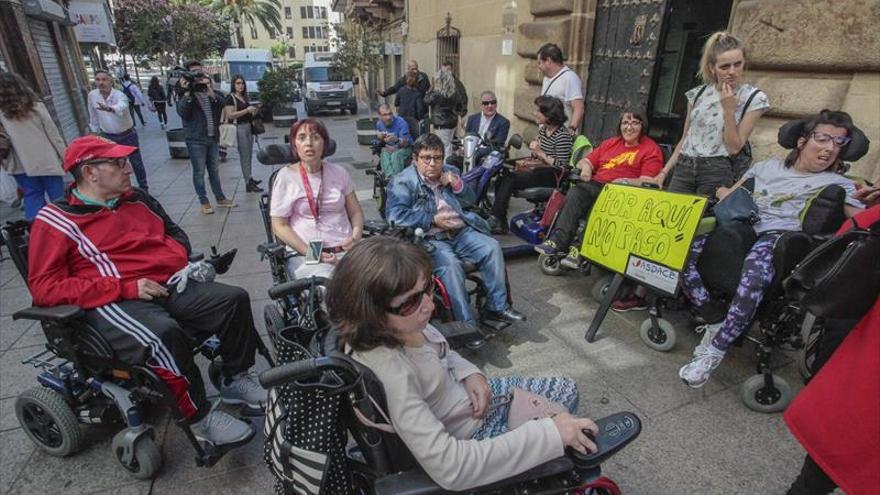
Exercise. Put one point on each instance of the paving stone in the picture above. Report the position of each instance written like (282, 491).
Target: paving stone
(12, 330)
(14, 376)
(14, 457)
(13, 299)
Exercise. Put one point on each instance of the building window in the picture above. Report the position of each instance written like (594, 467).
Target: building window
(312, 34)
(322, 12)
(271, 33)
(305, 32)
(447, 45)
(287, 13)
(291, 51)
(253, 33)
(289, 32)
(302, 12)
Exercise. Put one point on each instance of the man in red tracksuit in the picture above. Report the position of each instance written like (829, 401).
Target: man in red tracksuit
(109, 248)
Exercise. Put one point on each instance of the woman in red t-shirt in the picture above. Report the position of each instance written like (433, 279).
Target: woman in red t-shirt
(629, 158)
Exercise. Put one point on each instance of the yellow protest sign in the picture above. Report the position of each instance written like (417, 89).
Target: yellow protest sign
(650, 224)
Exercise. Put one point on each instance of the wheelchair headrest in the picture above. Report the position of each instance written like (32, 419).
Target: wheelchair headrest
(280, 154)
(824, 213)
(790, 132)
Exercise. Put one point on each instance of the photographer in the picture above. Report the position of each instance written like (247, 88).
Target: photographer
(199, 107)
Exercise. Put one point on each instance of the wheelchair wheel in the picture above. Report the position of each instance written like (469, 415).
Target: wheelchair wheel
(550, 265)
(145, 460)
(48, 421)
(760, 398)
(601, 287)
(274, 321)
(660, 339)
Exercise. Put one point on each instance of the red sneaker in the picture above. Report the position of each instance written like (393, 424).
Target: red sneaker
(630, 302)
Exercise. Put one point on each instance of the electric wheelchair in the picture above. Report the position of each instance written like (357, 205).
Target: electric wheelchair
(299, 302)
(348, 401)
(380, 181)
(779, 320)
(82, 381)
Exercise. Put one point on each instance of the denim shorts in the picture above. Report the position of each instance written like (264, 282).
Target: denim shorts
(701, 175)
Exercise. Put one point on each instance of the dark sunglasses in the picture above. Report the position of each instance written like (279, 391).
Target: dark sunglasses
(489, 102)
(413, 302)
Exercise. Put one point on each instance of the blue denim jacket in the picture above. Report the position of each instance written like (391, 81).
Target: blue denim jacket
(195, 125)
(411, 202)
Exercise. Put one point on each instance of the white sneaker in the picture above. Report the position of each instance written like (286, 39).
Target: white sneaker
(220, 428)
(243, 388)
(696, 373)
(709, 331)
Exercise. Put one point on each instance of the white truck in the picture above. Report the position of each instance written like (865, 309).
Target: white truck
(251, 63)
(325, 88)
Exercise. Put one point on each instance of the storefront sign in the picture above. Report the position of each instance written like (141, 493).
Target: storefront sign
(92, 22)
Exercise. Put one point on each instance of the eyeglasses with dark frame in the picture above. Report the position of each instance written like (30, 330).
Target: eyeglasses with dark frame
(822, 138)
(489, 102)
(431, 158)
(118, 162)
(413, 302)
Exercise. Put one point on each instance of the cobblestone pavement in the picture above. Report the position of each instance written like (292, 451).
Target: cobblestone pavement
(693, 441)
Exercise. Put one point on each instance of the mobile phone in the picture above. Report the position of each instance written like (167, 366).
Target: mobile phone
(313, 253)
(650, 185)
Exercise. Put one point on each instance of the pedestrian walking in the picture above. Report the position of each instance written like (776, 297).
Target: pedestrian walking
(200, 107)
(240, 112)
(135, 97)
(158, 100)
(31, 148)
(109, 117)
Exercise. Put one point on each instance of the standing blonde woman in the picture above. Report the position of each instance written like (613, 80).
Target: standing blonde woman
(445, 101)
(37, 147)
(722, 113)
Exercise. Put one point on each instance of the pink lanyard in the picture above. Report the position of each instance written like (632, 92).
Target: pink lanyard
(313, 205)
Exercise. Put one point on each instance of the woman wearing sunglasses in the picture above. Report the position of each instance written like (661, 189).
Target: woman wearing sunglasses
(439, 403)
(783, 189)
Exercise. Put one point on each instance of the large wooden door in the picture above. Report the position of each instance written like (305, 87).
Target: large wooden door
(625, 46)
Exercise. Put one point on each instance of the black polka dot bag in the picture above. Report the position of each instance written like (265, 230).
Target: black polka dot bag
(305, 433)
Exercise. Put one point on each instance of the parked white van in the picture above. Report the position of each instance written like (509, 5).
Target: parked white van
(325, 88)
(251, 63)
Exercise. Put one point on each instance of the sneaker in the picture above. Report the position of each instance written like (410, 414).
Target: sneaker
(226, 203)
(252, 186)
(162, 126)
(696, 373)
(630, 302)
(497, 226)
(709, 332)
(243, 388)
(548, 247)
(221, 428)
(573, 260)
(207, 209)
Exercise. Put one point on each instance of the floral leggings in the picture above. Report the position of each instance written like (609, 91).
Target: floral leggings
(757, 275)
(558, 389)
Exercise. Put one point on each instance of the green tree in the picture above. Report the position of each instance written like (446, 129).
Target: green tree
(358, 52)
(197, 32)
(250, 12)
(139, 26)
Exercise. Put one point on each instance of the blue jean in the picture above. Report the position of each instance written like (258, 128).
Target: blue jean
(36, 188)
(480, 249)
(202, 155)
(130, 138)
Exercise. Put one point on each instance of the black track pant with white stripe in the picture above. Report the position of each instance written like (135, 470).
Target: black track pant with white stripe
(163, 333)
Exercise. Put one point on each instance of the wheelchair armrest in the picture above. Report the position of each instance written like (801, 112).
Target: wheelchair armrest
(196, 257)
(296, 286)
(417, 482)
(370, 171)
(50, 313)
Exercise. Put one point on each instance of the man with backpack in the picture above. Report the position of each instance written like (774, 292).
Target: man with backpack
(135, 98)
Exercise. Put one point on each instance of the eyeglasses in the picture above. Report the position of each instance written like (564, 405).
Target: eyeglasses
(119, 162)
(413, 302)
(631, 123)
(823, 138)
(431, 158)
(489, 102)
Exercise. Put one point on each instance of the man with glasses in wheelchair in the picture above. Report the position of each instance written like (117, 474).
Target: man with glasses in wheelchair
(110, 249)
(431, 196)
(394, 141)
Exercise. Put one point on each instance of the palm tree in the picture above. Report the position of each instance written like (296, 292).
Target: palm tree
(266, 12)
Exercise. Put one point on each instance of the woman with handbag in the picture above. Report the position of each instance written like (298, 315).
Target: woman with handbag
(313, 205)
(439, 404)
(549, 162)
(240, 113)
(158, 100)
(36, 148)
(631, 157)
(782, 191)
(714, 150)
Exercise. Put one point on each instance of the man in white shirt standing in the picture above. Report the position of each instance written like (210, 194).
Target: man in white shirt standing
(562, 82)
(109, 117)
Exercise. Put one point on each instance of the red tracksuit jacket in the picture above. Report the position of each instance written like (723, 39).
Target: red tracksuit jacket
(90, 256)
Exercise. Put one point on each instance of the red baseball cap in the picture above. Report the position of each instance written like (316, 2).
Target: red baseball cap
(92, 147)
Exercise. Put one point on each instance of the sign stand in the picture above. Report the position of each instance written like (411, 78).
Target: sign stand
(604, 306)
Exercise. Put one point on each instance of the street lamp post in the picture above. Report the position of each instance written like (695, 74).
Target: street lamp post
(235, 27)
